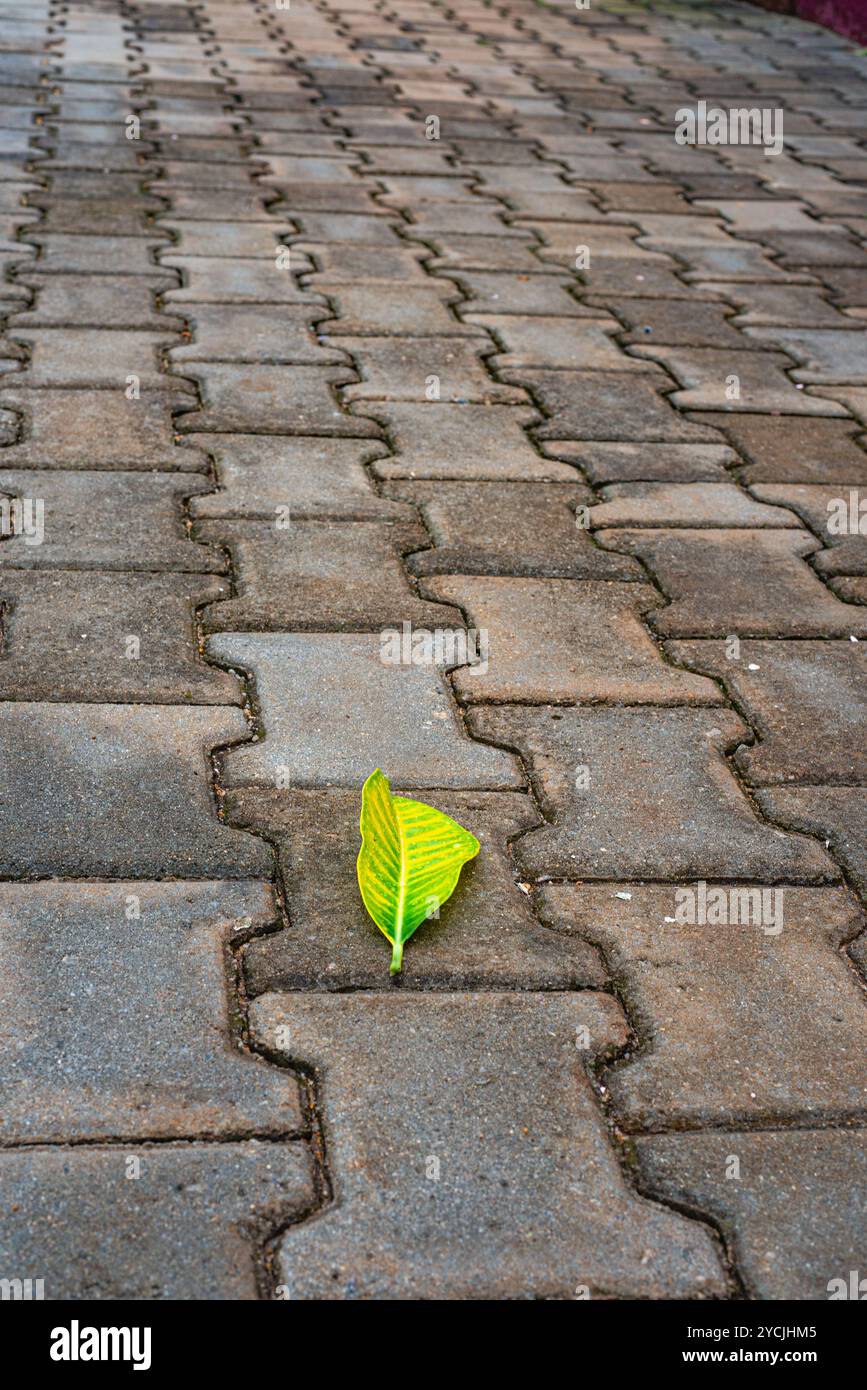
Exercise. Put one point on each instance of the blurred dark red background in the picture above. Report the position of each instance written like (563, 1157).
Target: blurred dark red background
(847, 17)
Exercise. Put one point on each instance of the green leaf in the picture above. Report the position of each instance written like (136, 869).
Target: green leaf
(409, 863)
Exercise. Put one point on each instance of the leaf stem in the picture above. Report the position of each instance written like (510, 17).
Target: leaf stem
(396, 958)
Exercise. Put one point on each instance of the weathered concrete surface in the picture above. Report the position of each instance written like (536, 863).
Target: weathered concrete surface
(524, 1199)
(552, 389)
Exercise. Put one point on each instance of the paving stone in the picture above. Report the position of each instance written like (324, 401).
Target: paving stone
(836, 815)
(213, 204)
(400, 717)
(264, 399)
(406, 309)
(101, 520)
(755, 1018)
(503, 292)
(252, 333)
(778, 450)
(850, 590)
(786, 306)
(530, 1200)
(76, 357)
(187, 1229)
(225, 280)
(787, 691)
(250, 240)
(680, 321)
(849, 286)
(659, 801)
(508, 528)
(826, 355)
(684, 504)
(485, 937)
(89, 301)
(553, 640)
(668, 463)
(304, 196)
(793, 1218)
(746, 582)
(70, 637)
(544, 342)
(464, 251)
(409, 369)
(96, 216)
(343, 265)
(266, 477)
(356, 229)
(838, 517)
(480, 218)
(166, 1065)
(706, 378)
(595, 405)
(319, 576)
(95, 430)
(129, 793)
(462, 442)
(61, 254)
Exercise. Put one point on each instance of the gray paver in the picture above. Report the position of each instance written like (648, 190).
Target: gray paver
(399, 717)
(792, 1220)
(484, 937)
(185, 1230)
(164, 1065)
(731, 1030)
(320, 575)
(107, 637)
(530, 1128)
(553, 640)
(129, 792)
(642, 793)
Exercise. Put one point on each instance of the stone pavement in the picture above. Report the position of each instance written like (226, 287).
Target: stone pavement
(325, 321)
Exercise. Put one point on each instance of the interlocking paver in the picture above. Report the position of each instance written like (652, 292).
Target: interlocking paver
(787, 690)
(424, 368)
(320, 575)
(555, 640)
(683, 504)
(486, 937)
(836, 515)
(668, 463)
(95, 430)
(163, 1066)
(101, 520)
(642, 793)
(182, 1231)
(780, 450)
(129, 793)
(713, 1052)
(269, 478)
(225, 280)
(457, 442)
(125, 359)
(836, 815)
(747, 582)
(716, 379)
(793, 1217)
(252, 333)
(400, 718)
(530, 529)
(255, 400)
(485, 1229)
(609, 405)
(94, 301)
(72, 636)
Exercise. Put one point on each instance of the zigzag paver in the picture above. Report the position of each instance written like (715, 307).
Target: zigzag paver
(541, 385)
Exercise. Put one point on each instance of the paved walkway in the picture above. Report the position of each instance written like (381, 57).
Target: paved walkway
(325, 321)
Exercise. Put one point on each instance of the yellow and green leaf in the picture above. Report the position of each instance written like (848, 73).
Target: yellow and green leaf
(410, 861)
